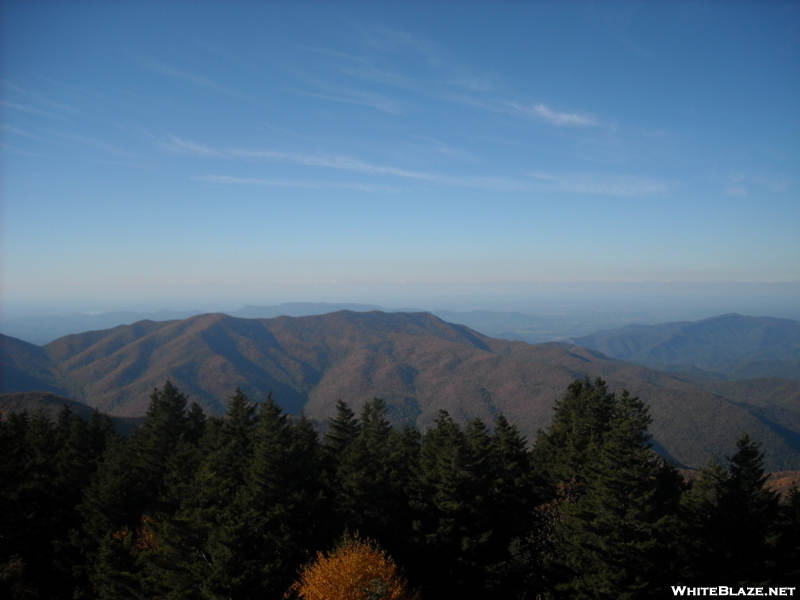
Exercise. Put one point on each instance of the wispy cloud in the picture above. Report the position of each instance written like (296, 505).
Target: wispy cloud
(543, 112)
(608, 185)
(438, 76)
(30, 109)
(230, 180)
(35, 97)
(95, 143)
(334, 53)
(164, 69)
(736, 190)
(743, 183)
(314, 185)
(337, 161)
(535, 182)
(12, 149)
(471, 83)
(472, 91)
(373, 100)
(179, 146)
(427, 143)
(20, 132)
(389, 40)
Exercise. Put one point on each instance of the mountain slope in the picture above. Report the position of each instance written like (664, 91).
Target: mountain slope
(416, 362)
(734, 346)
(41, 330)
(25, 367)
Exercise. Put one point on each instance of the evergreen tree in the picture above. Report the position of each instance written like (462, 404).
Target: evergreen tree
(513, 483)
(204, 479)
(612, 535)
(75, 463)
(263, 534)
(581, 419)
(129, 489)
(15, 469)
(611, 538)
(195, 424)
(342, 430)
(452, 491)
(510, 553)
(110, 508)
(731, 521)
(367, 498)
(40, 505)
(152, 444)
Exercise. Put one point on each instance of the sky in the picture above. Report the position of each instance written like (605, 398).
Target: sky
(196, 154)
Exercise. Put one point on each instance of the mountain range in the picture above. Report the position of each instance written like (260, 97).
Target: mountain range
(726, 347)
(416, 362)
(553, 325)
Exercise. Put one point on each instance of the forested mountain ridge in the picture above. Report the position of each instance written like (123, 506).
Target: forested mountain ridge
(416, 362)
(730, 346)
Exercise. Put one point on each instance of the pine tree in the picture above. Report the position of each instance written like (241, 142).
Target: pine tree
(731, 521)
(204, 479)
(342, 430)
(152, 444)
(513, 482)
(451, 493)
(367, 499)
(130, 488)
(581, 419)
(110, 507)
(612, 534)
(262, 535)
(610, 540)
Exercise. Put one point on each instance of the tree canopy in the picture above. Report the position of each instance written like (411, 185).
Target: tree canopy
(249, 505)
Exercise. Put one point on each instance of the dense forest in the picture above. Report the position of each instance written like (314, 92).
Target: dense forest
(256, 504)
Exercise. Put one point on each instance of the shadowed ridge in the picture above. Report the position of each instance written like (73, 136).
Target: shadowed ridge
(255, 355)
(25, 366)
(33, 401)
(52, 404)
(581, 352)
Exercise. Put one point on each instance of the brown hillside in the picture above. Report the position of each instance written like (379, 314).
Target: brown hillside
(416, 362)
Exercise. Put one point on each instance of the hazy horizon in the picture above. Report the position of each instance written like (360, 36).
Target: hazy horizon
(502, 156)
(651, 300)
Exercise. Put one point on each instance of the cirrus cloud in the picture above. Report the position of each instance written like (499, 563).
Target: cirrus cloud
(543, 112)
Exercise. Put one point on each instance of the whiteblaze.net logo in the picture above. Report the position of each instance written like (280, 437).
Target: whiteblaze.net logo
(724, 590)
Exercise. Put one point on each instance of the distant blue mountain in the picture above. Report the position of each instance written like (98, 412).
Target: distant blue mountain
(730, 346)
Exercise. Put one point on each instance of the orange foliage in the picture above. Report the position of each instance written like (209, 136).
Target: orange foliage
(356, 570)
(145, 538)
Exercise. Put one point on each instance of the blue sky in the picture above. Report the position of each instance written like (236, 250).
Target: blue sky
(190, 153)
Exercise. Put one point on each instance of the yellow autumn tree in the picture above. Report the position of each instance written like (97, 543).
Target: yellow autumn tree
(356, 570)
